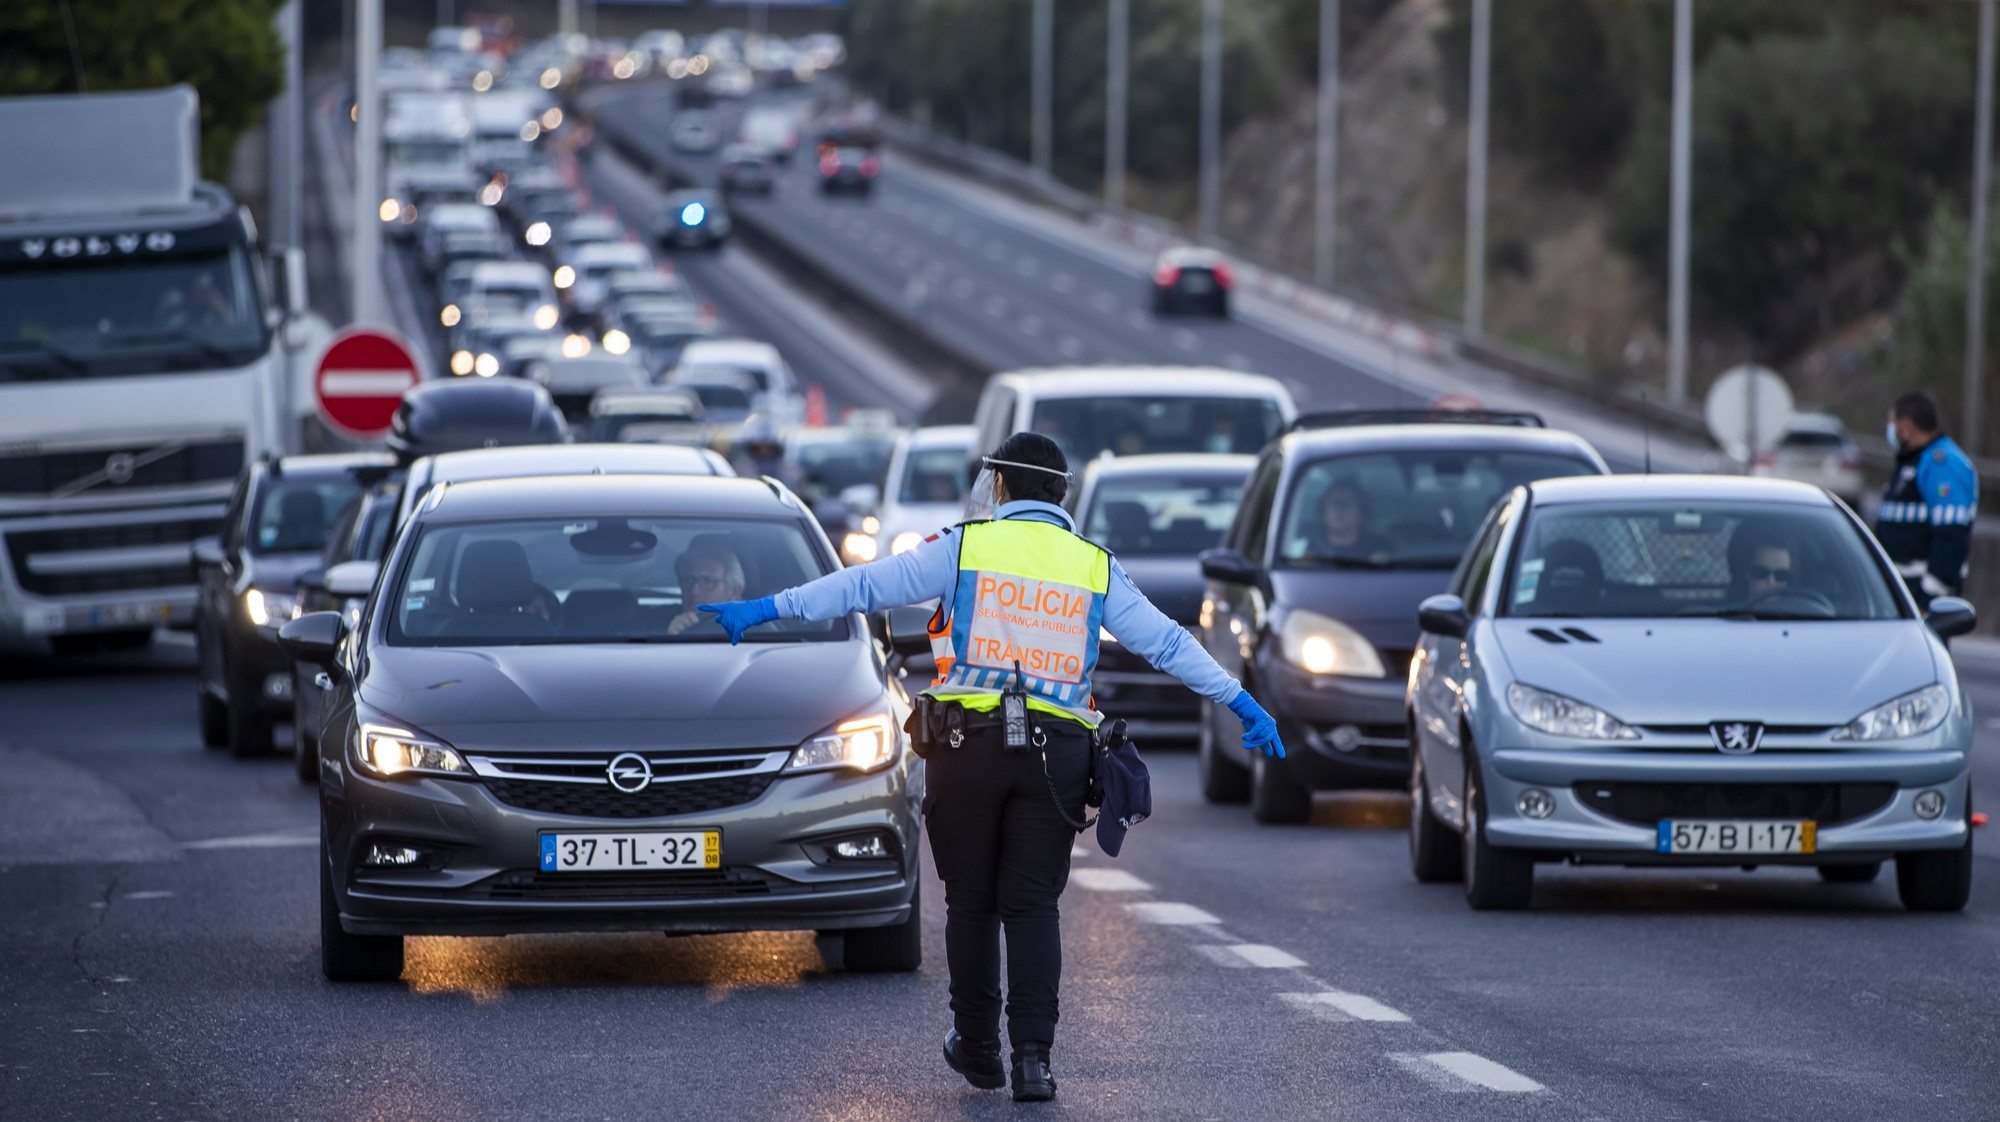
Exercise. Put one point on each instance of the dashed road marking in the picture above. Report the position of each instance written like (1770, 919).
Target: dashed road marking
(275, 839)
(150, 894)
(1464, 1071)
(1252, 954)
(1169, 914)
(1108, 880)
(1333, 1005)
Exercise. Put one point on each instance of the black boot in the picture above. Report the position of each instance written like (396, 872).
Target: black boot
(977, 1060)
(1034, 1082)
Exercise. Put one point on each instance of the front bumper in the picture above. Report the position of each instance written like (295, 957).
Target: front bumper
(260, 668)
(1864, 801)
(1341, 731)
(483, 878)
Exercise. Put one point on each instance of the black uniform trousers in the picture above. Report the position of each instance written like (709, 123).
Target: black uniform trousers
(1002, 849)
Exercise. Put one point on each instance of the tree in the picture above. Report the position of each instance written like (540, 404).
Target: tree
(1926, 349)
(226, 49)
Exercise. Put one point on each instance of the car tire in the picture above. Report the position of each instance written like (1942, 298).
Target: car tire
(1859, 872)
(1435, 855)
(249, 730)
(1222, 780)
(1937, 880)
(1276, 799)
(1495, 879)
(895, 949)
(1221, 307)
(351, 958)
(214, 717)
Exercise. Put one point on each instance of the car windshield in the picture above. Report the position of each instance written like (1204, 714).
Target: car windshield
(1414, 508)
(1087, 427)
(1162, 516)
(828, 467)
(757, 375)
(642, 428)
(722, 399)
(933, 475)
(296, 515)
(1733, 560)
(598, 580)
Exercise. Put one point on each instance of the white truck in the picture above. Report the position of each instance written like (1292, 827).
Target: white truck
(426, 155)
(141, 365)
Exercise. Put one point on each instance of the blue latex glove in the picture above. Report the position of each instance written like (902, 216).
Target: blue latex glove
(738, 616)
(1260, 730)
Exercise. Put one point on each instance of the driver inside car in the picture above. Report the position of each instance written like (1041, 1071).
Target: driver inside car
(1759, 565)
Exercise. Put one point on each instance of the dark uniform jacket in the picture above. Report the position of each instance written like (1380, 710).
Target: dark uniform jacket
(1925, 520)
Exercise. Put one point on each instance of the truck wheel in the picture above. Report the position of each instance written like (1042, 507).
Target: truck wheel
(1223, 780)
(1276, 799)
(1495, 879)
(897, 948)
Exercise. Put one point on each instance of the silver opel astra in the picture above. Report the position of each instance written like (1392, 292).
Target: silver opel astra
(1686, 670)
(531, 729)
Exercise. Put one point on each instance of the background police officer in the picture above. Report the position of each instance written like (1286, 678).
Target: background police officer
(1022, 598)
(1925, 520)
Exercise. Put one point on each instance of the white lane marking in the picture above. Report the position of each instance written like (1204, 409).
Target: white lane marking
(1031, 326)
(1333, 1005)
(1186, 340)
(1108, 880)
(1253, 954)
(366, 383)
(1077, 852)
(1464, 1071)
(1070, 346)
(150, 894)
(1063, 283)
(275, 839)
(1170, 914)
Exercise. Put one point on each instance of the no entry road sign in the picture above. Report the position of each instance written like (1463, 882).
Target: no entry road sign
(361, 378)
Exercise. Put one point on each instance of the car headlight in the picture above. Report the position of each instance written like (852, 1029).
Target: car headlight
(269, 609)
(547, 316)
(1912, 714)
(859, 547)
(865, 744)
(486, 365)
(390, 210)
(1557, 715)
(564, 276)
(906, 541)
(1324, 645)
(449, 315)
(383, 751)
(616, 342)
(537, 233)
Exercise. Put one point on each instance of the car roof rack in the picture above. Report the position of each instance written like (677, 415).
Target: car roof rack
(1350, 418)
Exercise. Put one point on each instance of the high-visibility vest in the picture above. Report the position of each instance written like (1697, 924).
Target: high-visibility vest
(1029, 601)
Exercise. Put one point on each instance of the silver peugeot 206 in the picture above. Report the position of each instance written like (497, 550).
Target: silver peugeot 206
(532, 729)
(1686, 670)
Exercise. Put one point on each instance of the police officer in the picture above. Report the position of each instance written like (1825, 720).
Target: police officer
(1925, 520)
(1022, 598)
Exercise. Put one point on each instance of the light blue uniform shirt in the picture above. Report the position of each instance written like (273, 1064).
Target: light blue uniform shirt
(930, 572)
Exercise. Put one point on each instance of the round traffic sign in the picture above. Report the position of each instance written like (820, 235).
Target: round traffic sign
(1748, 410)
(360, 380)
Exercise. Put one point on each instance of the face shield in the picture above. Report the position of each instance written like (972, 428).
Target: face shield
(979, 504)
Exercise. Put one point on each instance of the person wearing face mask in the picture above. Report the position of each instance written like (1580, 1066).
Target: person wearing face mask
(1022, 601)
(1925, 519)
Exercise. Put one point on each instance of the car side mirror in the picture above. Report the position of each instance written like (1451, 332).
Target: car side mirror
(908, 630)
(288, 275)
(207, 551)
(1950, 616)
(314, 638)
(1230, 567)
(352, 578)
(1443, 614)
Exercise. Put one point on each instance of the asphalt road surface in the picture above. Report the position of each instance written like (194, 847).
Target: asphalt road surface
(161, 962)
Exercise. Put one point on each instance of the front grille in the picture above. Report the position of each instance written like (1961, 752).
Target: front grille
(43, 473)
(703, 884)
(661, 800)
(1769, 730)
(1647, 803)
(23, 544)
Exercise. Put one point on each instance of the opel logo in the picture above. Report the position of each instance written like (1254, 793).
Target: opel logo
(1736, 738)
(629, 772)
(118, 467)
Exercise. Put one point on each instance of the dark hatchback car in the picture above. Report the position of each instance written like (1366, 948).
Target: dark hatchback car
(536, 732)
(1190, 278)
(848, 171)
(277, 524)
(1157, 514)
(1348, 522)
(361, 535)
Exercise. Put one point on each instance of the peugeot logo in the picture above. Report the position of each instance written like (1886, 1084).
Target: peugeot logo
(1736, 738)
(629, 772)
(118, 467)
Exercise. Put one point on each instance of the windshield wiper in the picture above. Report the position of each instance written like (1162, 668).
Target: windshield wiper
(1741, 614)
(1377, 564)
(203, 347)
(41, 354)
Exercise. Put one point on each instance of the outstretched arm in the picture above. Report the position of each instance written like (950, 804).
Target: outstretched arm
(924, 573)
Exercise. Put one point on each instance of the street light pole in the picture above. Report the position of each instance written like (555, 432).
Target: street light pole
(566, 16)
(1326, 166)
(1211, 116)
(1680, 191)
(1042, 86)
(1117, 69)
(1973, 405)
(366, 276)
(286, 121)
(1475, 171)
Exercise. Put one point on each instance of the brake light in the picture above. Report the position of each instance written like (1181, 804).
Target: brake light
(1223, 276)
(828, 165)
(870, 166)
(1166, 275)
